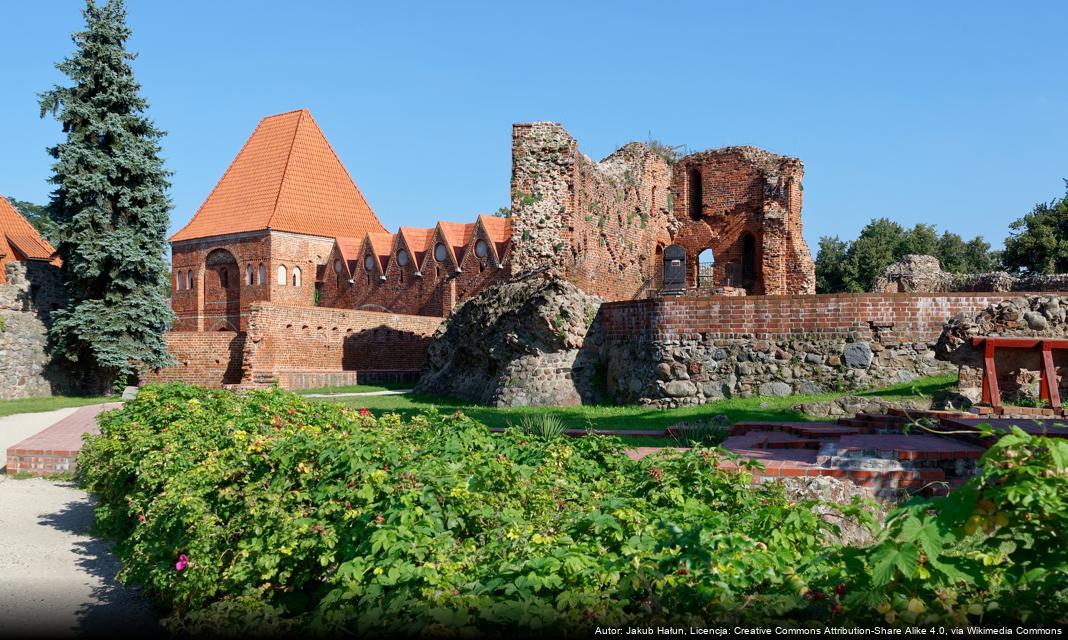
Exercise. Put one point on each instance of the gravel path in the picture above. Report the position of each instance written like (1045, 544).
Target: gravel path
(56, 579)
(356, 394)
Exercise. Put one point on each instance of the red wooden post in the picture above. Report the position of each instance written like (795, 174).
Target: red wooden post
(1048, 385)
(991, 392)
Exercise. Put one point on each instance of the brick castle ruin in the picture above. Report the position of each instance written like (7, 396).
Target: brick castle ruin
(689, 280)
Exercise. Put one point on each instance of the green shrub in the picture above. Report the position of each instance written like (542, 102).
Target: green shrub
(271, 513)
(545, 425)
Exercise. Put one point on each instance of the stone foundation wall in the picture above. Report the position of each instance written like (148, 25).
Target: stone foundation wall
(31, 292)
(685, 351)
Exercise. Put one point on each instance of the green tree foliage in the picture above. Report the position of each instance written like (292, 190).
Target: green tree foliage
(110, 205)
(1039, 240)
(37, 215)
(272, 513)
(853, 266)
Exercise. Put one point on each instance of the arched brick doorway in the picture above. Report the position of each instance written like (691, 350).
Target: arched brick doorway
(222, 292)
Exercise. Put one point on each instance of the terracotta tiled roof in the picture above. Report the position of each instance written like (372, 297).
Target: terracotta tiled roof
(349, 248)
(457, 235)
(287, 178)
(19, 240)
(381, 246)
(418, 241)
(499, 231)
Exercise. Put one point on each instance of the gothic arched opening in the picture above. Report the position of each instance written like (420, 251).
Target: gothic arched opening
(222, 290)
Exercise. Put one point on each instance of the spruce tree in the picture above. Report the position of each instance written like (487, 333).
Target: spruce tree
(110, 207)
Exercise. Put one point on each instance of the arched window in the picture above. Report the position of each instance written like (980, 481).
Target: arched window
(282, 275)
(402, 258)
(368, 262)
(248, 275)
(481, 249)
(695, 194)
(439, 252)
(296, 276)
(705, 264)
(748, 259)
(261, 274)
(337, 266)
(181, 280)
(192, 282)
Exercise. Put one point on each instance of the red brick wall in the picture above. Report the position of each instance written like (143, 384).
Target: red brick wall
(915, 316)
(283, 337)
(744, 190)
(209, 359)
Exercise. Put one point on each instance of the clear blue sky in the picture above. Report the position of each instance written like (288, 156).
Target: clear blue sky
(952, 113)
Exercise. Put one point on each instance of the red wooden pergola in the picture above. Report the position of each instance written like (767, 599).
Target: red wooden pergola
(1048, 384)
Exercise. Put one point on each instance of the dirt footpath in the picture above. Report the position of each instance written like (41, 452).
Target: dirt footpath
(56, 579)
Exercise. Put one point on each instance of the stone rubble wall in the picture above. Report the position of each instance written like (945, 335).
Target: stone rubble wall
(530, 342)
(31, 292)
(685, 351)
(1018, 370)
(924, 273)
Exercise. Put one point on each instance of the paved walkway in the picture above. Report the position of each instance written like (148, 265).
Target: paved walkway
(16, 428)
(55, 579)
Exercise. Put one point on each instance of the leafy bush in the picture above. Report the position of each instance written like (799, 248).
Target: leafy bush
(272, 513)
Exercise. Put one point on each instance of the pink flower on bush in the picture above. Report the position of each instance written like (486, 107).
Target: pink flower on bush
(183, 561)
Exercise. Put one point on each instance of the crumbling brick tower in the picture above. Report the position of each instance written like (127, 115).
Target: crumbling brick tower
(606, 224)
(744, 204)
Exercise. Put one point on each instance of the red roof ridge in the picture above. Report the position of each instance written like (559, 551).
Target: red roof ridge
(289, 159)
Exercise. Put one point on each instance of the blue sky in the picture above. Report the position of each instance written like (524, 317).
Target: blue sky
(951, 113)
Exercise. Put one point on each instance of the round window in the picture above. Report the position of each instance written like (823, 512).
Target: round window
(369, 263)
(402, 258)
(439, 252)
(337, 266)
(481, 249)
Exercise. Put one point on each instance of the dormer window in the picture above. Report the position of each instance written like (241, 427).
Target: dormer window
(337, 266)
(439, 252)
(369, 263)
(402, 258)
(481, 249)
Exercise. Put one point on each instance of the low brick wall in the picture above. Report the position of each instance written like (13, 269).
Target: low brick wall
(688, 350)
(209, 359)
(302, 347)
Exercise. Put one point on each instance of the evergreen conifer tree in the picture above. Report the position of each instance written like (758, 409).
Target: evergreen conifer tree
(110, 206)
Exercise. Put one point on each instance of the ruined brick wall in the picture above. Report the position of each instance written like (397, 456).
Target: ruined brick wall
(605, 224)
(691, 350)
(286, 338)
(744, 204)
(599, 223)
(30, 292)
(209, 359)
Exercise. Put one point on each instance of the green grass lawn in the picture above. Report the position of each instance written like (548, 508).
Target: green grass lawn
(34, 405)
(360, 388)
(642, 418)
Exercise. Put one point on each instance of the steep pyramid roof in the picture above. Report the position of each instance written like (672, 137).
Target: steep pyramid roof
(18, 239)
(287, 178)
